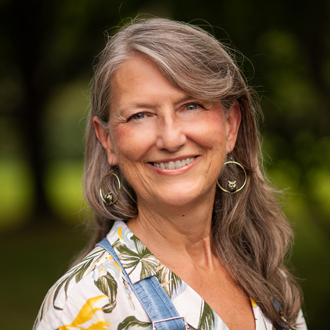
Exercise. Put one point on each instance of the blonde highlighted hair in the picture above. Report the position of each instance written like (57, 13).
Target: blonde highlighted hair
(249, 230)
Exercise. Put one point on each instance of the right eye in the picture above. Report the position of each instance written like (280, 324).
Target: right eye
(137, 116)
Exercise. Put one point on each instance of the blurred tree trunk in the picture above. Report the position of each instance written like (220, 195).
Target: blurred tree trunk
(48, 43)
(26, 31)
(30, 121)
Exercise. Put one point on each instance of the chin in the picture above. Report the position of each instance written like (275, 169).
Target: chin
(180, 198)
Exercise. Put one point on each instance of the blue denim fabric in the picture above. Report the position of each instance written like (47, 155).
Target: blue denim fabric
(152, 297)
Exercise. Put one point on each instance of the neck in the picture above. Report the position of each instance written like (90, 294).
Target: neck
(178, 232)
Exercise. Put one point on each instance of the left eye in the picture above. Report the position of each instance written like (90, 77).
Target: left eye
(192, 106)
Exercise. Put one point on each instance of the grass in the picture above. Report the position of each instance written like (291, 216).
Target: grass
(31, 262)
(33, 259)
(64, 191)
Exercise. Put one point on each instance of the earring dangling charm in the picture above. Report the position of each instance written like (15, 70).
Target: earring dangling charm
(232, 187)
(108, 197)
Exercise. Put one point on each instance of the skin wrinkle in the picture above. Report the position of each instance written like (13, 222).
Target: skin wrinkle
(133, 143)
(185, 242)
(255, 210)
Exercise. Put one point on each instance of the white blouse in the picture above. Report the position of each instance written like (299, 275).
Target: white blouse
(94, 294)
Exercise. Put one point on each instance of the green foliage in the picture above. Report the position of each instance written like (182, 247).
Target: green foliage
(207, 318)
(48, 48)
(16, 193)
(108, 286)
(131, 259)
(75, 274)
(132, 321)
(170, 281)
(64, 188)
(64, 121)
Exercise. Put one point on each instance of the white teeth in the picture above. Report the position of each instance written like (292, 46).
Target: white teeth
(175, 165)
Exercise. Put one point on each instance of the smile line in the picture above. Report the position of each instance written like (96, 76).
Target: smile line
(174, 165)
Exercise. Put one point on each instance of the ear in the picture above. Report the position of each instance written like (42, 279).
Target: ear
(233, 120)
(104, 137)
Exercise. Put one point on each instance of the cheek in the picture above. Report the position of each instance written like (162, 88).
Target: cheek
(130, 144)
(211, 130)
(121, 133)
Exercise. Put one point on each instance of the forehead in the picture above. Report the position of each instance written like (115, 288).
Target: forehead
(138, 77)
(133, 69)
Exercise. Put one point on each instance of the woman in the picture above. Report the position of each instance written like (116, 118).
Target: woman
(173, 177)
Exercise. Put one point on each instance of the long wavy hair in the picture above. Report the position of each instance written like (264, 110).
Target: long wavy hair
(250, 232)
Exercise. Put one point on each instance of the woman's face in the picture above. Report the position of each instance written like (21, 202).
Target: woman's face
(169, 146)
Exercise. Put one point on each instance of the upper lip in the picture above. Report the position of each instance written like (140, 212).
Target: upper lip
(167, 160)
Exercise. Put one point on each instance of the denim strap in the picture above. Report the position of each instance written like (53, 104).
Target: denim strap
(152, 297)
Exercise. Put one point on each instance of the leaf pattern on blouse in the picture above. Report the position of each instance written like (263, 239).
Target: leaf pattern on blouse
(75, 274)
(207, 318)
(108, 286)
(132, 321)
(95, 295)
(170, 282)
(139, 257)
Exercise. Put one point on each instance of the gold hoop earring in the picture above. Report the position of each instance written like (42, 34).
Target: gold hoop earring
(232, 184)
(108, 198)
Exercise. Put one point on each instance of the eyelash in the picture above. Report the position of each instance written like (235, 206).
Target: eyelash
(139, 115)
(198, 105)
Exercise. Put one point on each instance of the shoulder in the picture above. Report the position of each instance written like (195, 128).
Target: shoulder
(57, 297)
(93, 293)
(301, 323)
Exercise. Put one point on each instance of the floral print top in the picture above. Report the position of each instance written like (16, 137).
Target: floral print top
(94, 295)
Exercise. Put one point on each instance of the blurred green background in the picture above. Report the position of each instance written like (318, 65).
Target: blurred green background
(47, 54)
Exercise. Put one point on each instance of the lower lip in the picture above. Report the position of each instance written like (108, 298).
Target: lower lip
(176, 171)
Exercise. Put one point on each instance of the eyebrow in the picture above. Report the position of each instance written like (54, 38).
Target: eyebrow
(152, 106)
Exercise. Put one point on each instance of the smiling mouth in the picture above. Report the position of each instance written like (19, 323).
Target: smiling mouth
(174, 165)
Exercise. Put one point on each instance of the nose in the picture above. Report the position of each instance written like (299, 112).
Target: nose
(171, 135)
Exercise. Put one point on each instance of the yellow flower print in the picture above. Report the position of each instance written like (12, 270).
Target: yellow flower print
(106, 266)
(253, 303)
(86, 314)
(120, 232)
